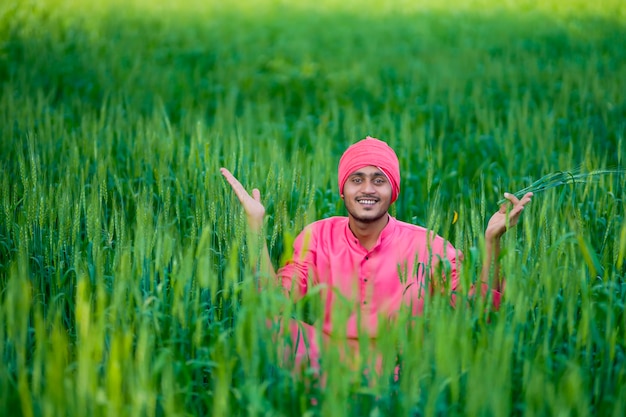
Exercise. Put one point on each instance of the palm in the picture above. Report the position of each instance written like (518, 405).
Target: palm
(252, 205)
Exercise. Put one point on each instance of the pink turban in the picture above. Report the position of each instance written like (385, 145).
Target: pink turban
(371, 151)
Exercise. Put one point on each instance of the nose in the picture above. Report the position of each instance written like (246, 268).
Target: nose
(368, 187)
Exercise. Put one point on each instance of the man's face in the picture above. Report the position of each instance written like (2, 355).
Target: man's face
(367, 194)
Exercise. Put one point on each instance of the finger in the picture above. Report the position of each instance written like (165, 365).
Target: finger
(227, 174)
(505, 206)
(515, 213)
(240, 192)
(511, 197)
(256, 194)
(230, 178)
(526, 199)
(519, 207)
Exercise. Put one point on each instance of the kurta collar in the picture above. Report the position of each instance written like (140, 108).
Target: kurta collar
(384, 237)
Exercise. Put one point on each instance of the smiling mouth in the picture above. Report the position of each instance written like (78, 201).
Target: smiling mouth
(367, 201)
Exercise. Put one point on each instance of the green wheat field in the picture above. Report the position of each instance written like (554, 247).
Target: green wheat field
(126, 286)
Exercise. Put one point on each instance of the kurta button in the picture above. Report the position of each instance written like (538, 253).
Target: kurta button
(367, 257)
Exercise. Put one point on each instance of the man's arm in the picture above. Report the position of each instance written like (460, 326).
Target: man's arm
(255, 213)
(500, 222)
(297, 268)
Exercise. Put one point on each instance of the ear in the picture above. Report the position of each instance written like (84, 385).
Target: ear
(341, 196)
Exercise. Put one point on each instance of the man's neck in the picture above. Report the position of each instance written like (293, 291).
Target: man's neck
(368, 233)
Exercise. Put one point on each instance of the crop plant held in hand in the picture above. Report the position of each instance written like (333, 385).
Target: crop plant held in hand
(559, 178)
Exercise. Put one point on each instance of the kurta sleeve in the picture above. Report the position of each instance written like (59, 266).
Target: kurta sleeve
(295, 275)
(448, 270)
(496, 296)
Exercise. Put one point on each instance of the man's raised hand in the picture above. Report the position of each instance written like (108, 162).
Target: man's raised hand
(506, 217)
(255, 211)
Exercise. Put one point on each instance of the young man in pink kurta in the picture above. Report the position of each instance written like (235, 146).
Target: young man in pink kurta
(370, 260)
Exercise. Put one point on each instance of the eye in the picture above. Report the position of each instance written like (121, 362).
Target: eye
(379, 181)
(356, 180)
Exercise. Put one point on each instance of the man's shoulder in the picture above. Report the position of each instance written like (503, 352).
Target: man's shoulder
(329, 222)
(417, 231)
(410, 227)
(321, 230)
(325, 224)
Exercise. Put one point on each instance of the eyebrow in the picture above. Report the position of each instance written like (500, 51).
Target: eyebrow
(373, 175)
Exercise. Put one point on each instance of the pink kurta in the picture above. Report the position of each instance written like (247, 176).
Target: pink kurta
(406, 263)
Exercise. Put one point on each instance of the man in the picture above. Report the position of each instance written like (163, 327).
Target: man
(376, 262)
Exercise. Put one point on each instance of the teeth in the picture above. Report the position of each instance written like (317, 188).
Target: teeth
(367, 201)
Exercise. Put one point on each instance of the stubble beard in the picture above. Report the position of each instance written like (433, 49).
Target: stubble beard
(366, 220)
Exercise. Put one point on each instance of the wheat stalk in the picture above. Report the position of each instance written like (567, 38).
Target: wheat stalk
(556, 179)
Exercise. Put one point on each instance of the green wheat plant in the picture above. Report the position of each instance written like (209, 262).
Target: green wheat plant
(561, 178)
